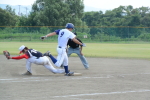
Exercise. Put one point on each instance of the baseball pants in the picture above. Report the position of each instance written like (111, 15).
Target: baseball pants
(77, 51)
(42, 61)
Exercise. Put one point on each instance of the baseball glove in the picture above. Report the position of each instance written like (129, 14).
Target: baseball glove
(7, 54)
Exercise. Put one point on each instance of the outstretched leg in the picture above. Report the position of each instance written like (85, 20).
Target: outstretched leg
(82, 58)
(61, 58)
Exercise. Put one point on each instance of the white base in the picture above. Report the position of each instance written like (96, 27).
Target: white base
(77, 74)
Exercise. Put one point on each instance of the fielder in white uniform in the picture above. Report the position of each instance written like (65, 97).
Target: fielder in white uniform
(36, 57)
(63, 36)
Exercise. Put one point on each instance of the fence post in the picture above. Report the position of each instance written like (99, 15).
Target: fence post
(11, 38)
(128, 33)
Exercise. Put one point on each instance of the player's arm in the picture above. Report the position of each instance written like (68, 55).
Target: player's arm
(80, 46)
(81, 50)
(67, 49)
(67, 45)
(76, 41)
(20, 57)
(56, 32)
(51, 34)
(48, 35)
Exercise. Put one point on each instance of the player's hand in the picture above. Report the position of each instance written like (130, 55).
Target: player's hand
(8, 57)
(83, 45)
(81, 53)
(43, 37)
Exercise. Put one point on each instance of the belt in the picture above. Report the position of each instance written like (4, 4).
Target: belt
(39, 57)
(61, 47)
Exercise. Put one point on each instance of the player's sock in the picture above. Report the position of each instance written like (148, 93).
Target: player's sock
(66, 69)
(53, 59)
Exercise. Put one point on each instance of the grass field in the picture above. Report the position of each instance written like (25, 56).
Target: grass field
(138, 51)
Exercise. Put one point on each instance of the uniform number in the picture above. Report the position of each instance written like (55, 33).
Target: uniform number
(35, 51)
(62, 33)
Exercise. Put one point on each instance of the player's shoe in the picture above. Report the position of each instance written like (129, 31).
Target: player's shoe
(27, 73)
(87, 68)
(69, 74)
(47, 53)
(62, 66)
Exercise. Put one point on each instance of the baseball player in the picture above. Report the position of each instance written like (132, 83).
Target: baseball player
(36, 57)
(63, 36)
(75, 48)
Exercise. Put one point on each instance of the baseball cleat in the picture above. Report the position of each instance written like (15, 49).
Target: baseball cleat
(69, 74)
(47, 53)
(27, 73)
(61, 66)
(87, 68)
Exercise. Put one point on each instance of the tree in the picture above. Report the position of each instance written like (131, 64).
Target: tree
(8, 17)
(10, 10)
(93, 18)
(143, 11)
(57, 12)
(145, 21)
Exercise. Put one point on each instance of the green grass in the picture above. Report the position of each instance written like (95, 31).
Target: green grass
(137, 51)
(119, 50)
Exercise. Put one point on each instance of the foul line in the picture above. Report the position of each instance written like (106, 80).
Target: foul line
(34, 79)
(118, 92)
(42, 80)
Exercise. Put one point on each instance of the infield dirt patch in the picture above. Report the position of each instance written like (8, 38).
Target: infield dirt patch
(106, 79)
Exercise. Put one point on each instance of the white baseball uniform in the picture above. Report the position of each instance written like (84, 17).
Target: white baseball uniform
(63, 36)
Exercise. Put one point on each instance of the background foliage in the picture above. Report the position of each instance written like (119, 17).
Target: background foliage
(124, 23)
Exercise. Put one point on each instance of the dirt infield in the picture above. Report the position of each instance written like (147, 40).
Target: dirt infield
(106, 79)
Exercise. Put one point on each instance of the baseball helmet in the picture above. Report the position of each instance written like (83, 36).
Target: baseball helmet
(69, 25)
(21, 48)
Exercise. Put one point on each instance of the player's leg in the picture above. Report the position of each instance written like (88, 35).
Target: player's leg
(53, 58)
(69, 51)
(28, 67)
(49, 66)
(58, 62)
(65, 63)
(60, 57)
(50, 56)
(82, 58)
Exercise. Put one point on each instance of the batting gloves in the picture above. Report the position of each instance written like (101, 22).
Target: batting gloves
(83, 45)
(43, 37)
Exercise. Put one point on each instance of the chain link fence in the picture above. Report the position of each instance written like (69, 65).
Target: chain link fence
(87, 34)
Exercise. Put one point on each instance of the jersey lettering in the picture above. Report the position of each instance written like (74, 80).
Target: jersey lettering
(35, 53)
(62, 33)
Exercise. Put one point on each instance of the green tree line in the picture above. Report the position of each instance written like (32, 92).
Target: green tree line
(122, 22)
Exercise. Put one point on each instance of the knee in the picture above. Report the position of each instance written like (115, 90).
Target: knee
(57, 65)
